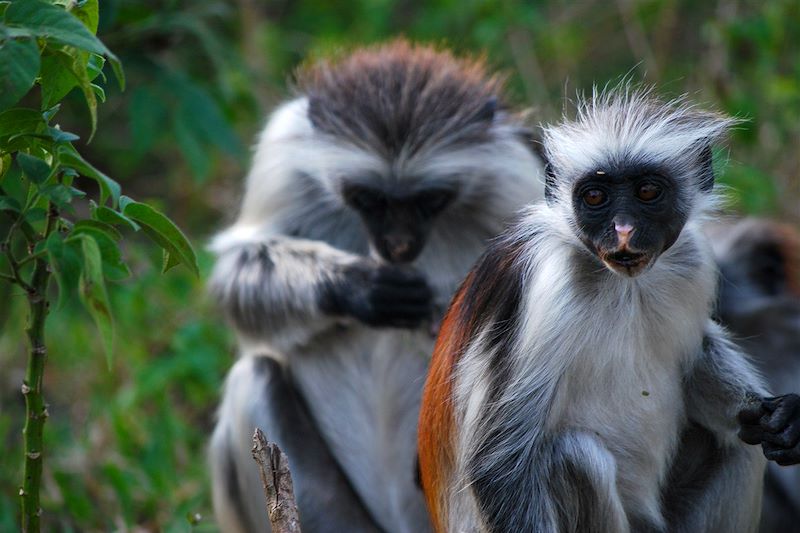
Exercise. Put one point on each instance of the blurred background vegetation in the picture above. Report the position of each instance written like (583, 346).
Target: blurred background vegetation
(126, 448)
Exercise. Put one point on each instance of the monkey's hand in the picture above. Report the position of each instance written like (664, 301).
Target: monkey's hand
(775, 424)
(380, 295)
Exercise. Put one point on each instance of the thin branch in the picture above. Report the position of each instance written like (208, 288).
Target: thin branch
(35, 406)
(276, 479)
(32, 257)
(14, 266)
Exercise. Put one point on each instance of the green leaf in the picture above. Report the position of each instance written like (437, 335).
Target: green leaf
(34, 168)
(19, 66)
(62, 70)
(163, 231)
(109, 216)
(5, 165)
(107, 229)
(89, 13)
(20, 121)
(106, 237)
(85, 85)
(93, 293)
(99, 92)
(60, 195)
(66, 262)
(61, 136)
(56, 25)
(70, 157)
(9, 204)
(58, 77)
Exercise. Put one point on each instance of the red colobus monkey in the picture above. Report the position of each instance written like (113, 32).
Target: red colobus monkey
(370, 195)
(759, 302)
(578, 383)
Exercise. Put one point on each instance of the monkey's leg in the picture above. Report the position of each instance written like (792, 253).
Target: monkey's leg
(567, 486)
(258, 392)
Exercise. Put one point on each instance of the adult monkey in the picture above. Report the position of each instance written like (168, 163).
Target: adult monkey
(578, 383)
(759, 302)
(370, 196)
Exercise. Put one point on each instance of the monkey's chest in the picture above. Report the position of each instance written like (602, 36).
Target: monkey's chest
(364, 390)
(634, 406)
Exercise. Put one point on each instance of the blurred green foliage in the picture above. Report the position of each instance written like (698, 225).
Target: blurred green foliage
(127, 447)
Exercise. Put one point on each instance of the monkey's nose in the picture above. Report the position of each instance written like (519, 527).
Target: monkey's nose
(399, 246)
(624, 231)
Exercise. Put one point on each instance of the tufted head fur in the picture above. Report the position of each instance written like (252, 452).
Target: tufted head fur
(399, 98)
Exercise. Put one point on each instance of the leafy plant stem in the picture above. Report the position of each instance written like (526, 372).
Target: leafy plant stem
(33, 257)
(35, 407)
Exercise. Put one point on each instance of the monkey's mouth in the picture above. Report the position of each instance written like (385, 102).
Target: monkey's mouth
(631, 263)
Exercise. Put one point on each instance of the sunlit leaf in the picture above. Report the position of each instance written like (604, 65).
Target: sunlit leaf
(56, 25)
(88, 12)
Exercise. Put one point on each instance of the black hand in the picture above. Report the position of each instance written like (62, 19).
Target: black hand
(775, 424)
(380, 295)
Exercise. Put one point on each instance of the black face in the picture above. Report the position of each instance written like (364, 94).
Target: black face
(628, 218)
(398, 224)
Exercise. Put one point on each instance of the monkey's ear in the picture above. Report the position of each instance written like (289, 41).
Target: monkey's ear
(531, 139)
(487, 111)
(706, 175)
(550, 182)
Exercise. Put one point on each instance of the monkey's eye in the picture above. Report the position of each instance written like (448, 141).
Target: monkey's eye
(594, 197)
(364, 199)
(433, 202)
(647, 192)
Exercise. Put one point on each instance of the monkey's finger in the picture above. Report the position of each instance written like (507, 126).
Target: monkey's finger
(781, 416)
(751, 414)
(788, 438)
(782, 456)
(751, 434)
(772, 403)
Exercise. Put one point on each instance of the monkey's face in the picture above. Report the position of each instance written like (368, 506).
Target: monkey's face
(628, 217)
(398, 223)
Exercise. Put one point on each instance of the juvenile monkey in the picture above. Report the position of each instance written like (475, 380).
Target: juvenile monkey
(370, 195)
(578, 383)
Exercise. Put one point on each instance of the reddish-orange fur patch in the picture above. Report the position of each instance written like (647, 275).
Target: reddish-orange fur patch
(436, 422)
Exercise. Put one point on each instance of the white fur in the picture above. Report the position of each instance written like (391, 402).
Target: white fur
(601, 358)
(362, 384)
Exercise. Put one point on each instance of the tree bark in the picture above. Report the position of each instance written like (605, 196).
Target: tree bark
(276, 479)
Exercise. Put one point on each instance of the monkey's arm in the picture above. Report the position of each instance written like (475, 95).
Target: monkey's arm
(716, 481)
(286, 290)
